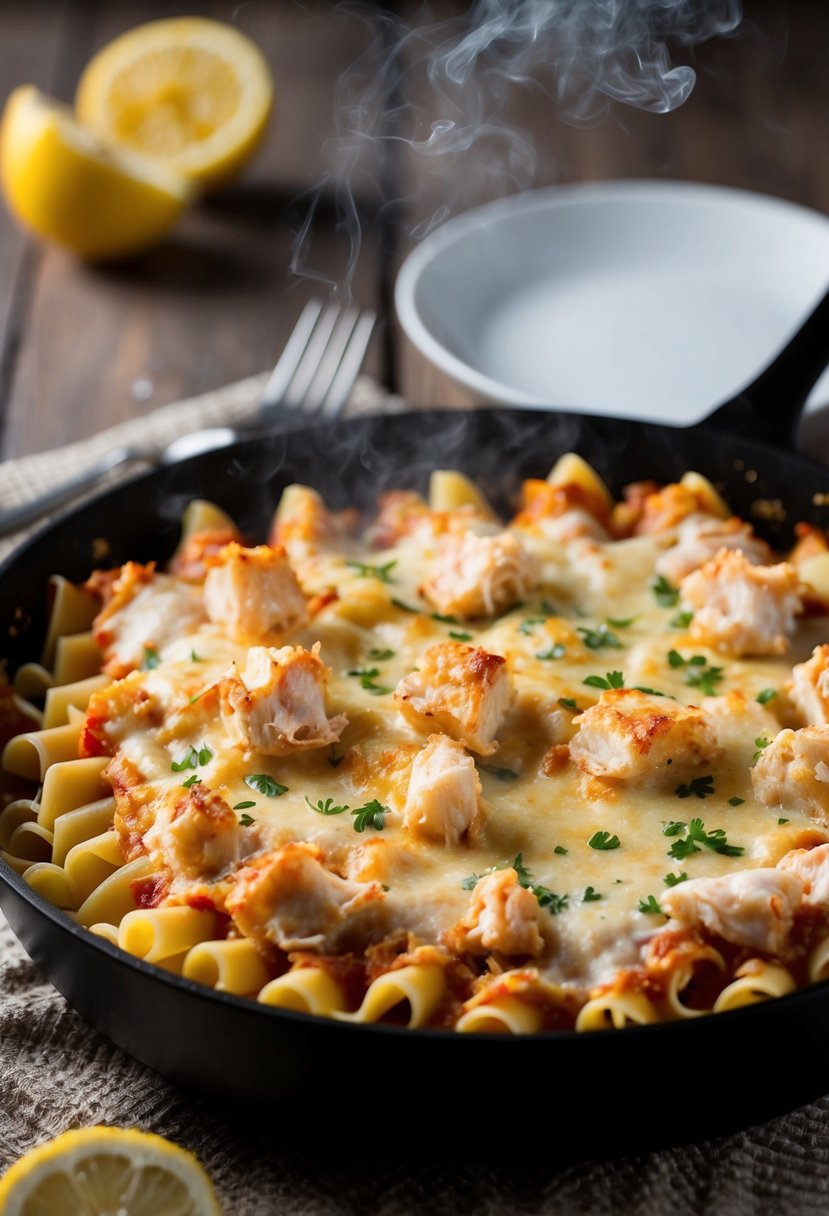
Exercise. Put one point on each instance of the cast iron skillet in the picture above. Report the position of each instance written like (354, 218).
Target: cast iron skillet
(681, 1080)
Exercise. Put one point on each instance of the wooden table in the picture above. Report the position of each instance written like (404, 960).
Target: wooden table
(82, 348)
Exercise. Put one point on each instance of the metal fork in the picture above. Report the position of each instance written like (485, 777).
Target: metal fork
(311, 380)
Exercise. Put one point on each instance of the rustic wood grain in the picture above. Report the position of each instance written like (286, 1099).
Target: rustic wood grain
(217, 302)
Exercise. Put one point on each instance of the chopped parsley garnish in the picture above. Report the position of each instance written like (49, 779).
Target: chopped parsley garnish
(381, 572)
(327, 807)
(194, 757)
(613, 679)
(195, 658)
(674, 828)
(782, 821)
(459, 636)
(372, 815)
(621, 622)
(682, 620)
(560, 849)
(244, 806)
(761, 743)
(699, 674)
(599, 639)
(603, 840)
(526, 627)
(265, 785)
(650, 906)
(192, 780)
(665, 594)
(552, 652)
(404, 607)
(590, 896)
(445, 618)
(567, 703)
(673, 880)
(246, 820)
(767, 694)
(546, 898)
(735, 801)
(699, 787)
(715, 840)
(151, 658)
(380, 656)
(368, 680)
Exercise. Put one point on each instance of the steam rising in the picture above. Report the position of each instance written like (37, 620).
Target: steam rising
(577, 58)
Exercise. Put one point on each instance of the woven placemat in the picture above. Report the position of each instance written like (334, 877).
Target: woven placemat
(57, 1073)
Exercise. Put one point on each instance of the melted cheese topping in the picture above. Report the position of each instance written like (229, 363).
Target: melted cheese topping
(588, 613)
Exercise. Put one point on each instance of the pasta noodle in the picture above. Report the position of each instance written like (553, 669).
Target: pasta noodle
(441, 771)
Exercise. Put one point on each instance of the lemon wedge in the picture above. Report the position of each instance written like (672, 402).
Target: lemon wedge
(65, 184)
(193, 92)
(107, 1171)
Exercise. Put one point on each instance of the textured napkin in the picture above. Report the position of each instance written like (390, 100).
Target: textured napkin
(56, 1073)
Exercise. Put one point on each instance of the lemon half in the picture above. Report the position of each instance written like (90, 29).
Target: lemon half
(193, 92)
(68, 186)
(107, 1171)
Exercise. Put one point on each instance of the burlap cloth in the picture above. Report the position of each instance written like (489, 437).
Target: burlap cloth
(57, 1073)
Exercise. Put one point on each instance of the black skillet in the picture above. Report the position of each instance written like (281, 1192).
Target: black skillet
(655, 1084)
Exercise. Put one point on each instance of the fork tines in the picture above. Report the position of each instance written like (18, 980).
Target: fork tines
(320, 361)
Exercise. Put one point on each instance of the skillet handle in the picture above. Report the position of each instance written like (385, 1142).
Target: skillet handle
(770, 407)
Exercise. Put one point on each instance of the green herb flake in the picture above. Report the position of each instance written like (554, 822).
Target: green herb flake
(192, 780)
(599, 639)
(244, 806)
(590, 896)
(682, 620)
(195, 658)
(767, 694)
(190, 760)
(699, 787)
(205, 755)
(673, 880)
(246, 820)
(151, 658)
(603, 841)
(665, 594)
(371, 815)
(383, 573)
(556, 651)
(368, 680)
(650, 906)
(735, 801)
(404, 607)
(380, 656)
(623, 622)
(560, 850)
(782, 821)
(266, 785)
(444, 618)
(460, 636)
(567, 703)
(526, 627)
(674, 828)
(326, 808)
(613, 679)
(715, 840)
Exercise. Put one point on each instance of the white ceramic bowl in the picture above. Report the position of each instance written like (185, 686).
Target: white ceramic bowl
(650, 300)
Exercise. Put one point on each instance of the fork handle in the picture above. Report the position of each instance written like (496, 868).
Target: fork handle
(30, 512)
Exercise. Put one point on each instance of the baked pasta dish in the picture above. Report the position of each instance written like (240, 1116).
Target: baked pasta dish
(436, 770)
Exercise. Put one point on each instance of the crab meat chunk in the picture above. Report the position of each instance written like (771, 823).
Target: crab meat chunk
(812, 866)
(253, 593)
(742, 609)
(290, 899)
(503, 916)
(277, 704)
(753, 908)
(196, 834)
(461, 690)
(145, 611)
(793, 772)
(444, 792)
(629, 734)
(701, 537)
(473, 575)
(809, 688)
